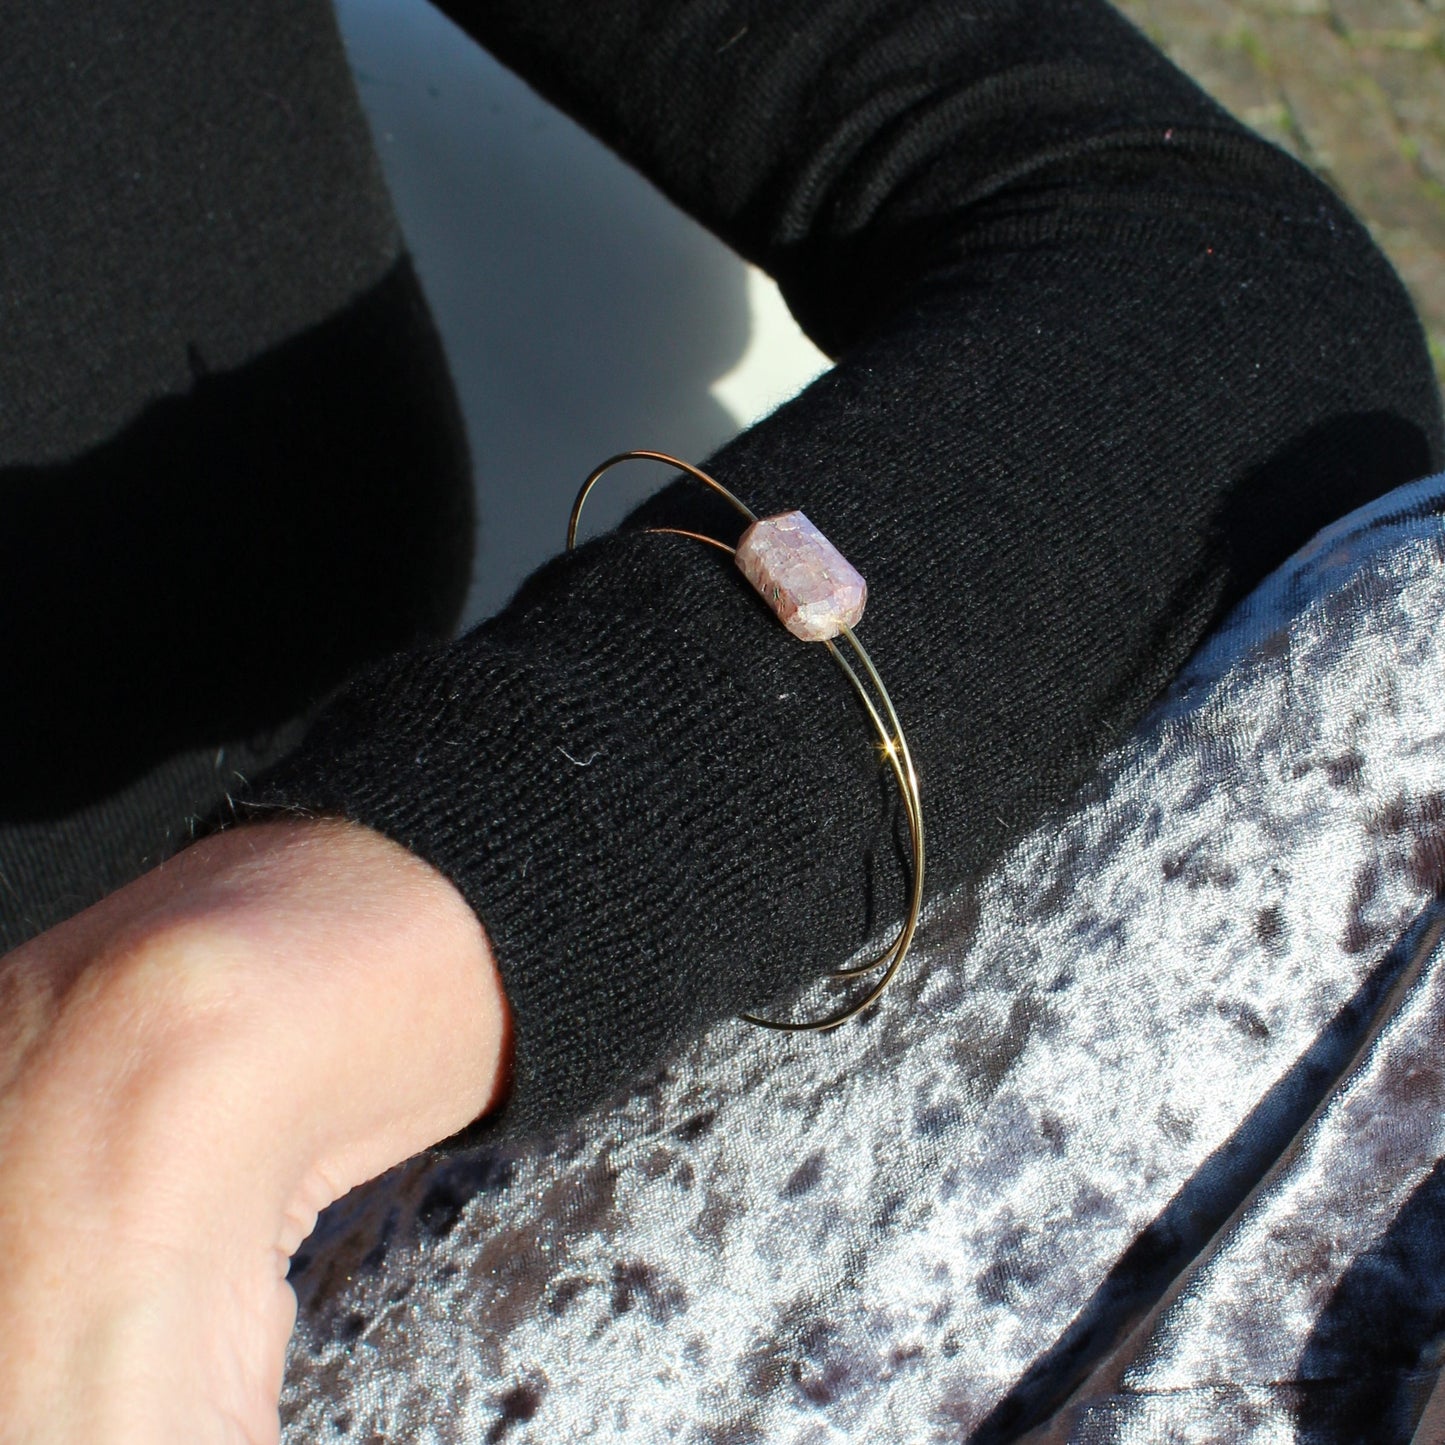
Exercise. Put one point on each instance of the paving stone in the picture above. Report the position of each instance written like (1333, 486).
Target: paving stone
(1414, 83)
(1315, 8)
(1419, 266)
(1403, 19)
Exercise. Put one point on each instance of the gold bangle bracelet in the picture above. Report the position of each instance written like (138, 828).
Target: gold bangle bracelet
(817, 595)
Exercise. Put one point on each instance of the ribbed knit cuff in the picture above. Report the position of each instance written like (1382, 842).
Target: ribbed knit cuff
(661, 813)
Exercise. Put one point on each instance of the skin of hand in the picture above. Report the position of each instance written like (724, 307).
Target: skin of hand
(191, 1070)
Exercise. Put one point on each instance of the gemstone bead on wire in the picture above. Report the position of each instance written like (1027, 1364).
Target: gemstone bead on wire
(814, 589)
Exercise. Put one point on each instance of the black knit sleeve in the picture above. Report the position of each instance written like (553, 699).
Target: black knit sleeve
(1105, 359)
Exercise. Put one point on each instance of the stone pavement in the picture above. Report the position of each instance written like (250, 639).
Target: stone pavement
(1355, 88)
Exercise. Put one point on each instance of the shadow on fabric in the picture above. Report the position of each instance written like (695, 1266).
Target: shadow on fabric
(232, 555)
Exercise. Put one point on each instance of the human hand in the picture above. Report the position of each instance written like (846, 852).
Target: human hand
(189, 1072)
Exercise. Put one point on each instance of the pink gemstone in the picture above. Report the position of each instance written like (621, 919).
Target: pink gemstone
(803, 577)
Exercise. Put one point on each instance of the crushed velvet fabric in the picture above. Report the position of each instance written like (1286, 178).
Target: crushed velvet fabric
(1145, 1145)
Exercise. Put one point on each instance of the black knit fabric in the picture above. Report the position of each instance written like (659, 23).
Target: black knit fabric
(1104, 359)
(232, 470)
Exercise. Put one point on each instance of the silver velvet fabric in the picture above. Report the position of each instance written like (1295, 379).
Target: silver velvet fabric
(1144, 1146)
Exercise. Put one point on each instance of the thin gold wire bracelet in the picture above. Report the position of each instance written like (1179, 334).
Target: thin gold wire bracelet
(787, 534)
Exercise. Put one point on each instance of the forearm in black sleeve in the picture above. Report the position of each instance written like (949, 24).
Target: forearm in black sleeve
(1105, 360)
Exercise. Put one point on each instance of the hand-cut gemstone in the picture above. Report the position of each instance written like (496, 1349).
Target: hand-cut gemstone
(803, 577)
